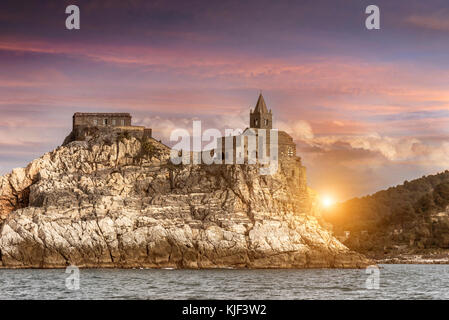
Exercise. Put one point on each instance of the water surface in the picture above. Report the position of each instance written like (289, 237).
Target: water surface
(395, 282)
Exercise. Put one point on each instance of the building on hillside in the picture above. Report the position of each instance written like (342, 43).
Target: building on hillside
(260, 126)
(101, 119)
(86, 123)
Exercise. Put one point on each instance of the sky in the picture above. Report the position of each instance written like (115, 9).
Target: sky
(368, 109)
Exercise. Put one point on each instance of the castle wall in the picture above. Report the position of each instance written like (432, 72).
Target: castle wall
(148, 132)
(286, 146)
(101, 119)
(86, 124)
(289, 163)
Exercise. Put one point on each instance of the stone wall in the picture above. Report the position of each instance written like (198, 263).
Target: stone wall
(84, 133)
(88, 124)
(286, 146)
(101, 119)
(258, 120)
(289, 164)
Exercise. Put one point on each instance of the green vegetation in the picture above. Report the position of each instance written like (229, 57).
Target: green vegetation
(108, 141)
(399, 219)
(441, 195)
(124, 135)
(148, 149)
(395, 207)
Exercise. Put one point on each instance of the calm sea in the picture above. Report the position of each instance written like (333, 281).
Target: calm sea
(395, 282)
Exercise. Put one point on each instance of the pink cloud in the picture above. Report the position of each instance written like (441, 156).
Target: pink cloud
(327, 103)
(429, 22)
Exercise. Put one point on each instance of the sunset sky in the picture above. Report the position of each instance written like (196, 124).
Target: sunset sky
(368, 109)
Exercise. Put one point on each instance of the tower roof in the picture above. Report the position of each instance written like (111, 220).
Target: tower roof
(261, 107)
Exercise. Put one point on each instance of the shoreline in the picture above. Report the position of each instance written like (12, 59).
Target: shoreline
(377, 263)
(408, 261)
(414, 259)
(171, 269)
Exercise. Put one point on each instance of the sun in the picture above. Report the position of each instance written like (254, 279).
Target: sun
(327, 201)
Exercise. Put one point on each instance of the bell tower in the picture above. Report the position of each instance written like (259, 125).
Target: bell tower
(261, 118)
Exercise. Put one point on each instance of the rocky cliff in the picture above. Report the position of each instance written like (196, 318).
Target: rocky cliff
(117, 201)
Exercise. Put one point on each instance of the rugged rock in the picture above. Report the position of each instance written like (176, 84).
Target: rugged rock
(117, 201)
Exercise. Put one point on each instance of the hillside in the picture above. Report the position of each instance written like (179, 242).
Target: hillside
(408, 218)
(117, 201)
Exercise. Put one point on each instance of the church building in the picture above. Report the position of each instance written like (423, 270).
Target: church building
(260, 125)
(261, 119)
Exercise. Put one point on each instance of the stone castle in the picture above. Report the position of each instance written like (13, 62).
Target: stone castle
(260, 123)
(101, 119)
(85, 124)
(262, 120)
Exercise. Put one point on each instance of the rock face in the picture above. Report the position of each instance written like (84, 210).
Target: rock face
(117, 201)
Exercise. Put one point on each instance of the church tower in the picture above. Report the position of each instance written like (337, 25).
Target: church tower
(261, 118)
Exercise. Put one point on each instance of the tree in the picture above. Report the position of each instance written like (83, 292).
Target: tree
(441, 195)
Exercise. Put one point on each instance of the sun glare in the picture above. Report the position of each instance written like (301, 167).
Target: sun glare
(327, 201)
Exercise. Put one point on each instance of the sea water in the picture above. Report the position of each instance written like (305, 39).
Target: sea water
(394, 282)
